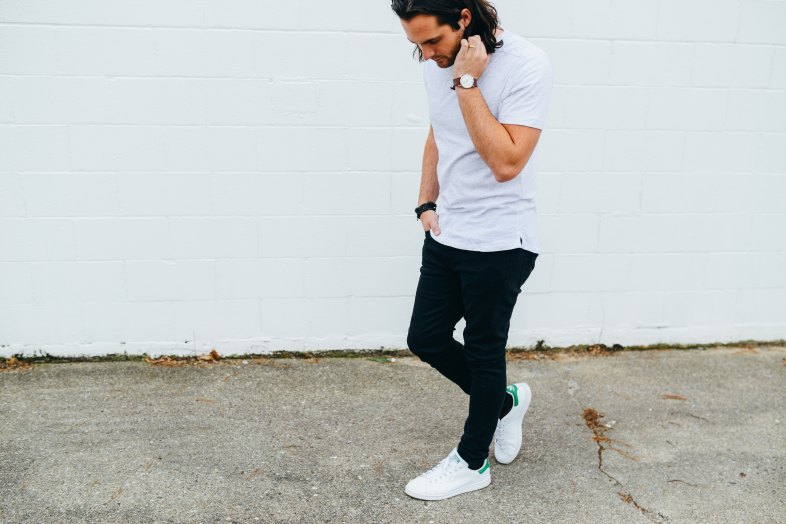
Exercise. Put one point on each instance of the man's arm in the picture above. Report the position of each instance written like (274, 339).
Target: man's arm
(429, 183)
(506, 148)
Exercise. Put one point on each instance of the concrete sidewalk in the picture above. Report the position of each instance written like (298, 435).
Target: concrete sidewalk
(680, 436)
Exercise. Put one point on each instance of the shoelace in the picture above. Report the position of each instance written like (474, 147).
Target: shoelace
(442, 468)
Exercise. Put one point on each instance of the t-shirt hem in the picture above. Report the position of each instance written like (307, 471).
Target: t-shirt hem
(536, 123)
(485, 248)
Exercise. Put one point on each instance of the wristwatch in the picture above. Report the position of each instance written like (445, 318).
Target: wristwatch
(467, 81)
(428, 206)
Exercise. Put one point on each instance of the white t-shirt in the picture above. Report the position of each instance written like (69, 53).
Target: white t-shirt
(476, 212)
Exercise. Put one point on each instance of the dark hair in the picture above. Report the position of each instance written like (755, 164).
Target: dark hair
(484, 17)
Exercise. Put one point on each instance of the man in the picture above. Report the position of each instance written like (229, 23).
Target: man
(488, 90)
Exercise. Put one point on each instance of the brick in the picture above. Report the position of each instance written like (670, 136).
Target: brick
(367, 103)
(96, 12)
(235, 101)
(721, 152)
(605, 107)
(34, 148)
(157, 148)
(772, 153)
(12, 202)
(699, 308)
(778, 69)
(732, 65)
(617, 19)
(214, 321)
(16, 283)
(78, 282)
(404, 192)
(536, 18)
(163, 194)
(690, 21)
(379, 316)
(255, 194)
(92, 194)
(305, 236)
(686, 108)
(128, 321)
(586, 148)
(637, 233)
(203, 53)
(369, 149)
(643, 151)
(214, 237)
(762, 21)
(598, 192)
(766, 233)
(667, 272)
(252, 14)
(293, 102)
(56, 324)
(568, 233)
(28, 51)
(578, 62)
(365, 16)
(162, 280)
(409, 106)
(122, 238)
(637, 310)
(651, 63)
(761, 307)
(536, 311)
(324, 149)
(265, 278)
(351, 193)
(299, 318)
(712, 232)
(756, 110)
(549, 188)
(231, 149)
(406, 149)
(37, 239)
(590, 272)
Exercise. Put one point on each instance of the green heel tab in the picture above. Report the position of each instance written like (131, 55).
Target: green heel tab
(514, 390)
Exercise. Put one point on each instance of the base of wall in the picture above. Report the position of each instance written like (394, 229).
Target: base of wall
(517, 338)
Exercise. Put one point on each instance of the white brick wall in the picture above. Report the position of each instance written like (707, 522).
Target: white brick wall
(240, 174)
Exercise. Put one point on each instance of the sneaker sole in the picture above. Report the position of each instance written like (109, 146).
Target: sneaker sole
(458, 491)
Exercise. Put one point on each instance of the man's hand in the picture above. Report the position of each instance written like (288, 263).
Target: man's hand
(430, 221)
(471, 60)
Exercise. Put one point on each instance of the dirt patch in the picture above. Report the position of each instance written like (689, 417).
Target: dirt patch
(542, 352)
(14, 364)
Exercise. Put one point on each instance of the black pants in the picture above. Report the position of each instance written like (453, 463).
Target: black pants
(482, 287)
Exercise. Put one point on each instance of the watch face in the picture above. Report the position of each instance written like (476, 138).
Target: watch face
(467, 81)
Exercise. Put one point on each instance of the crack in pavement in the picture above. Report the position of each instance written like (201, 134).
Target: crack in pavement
(592, 419)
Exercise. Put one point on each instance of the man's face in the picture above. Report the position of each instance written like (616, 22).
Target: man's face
(437, 42)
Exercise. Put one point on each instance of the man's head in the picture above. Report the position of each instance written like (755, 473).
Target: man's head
(436, 27)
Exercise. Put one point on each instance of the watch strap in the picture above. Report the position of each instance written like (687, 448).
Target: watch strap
(457, 82)
(428, 206)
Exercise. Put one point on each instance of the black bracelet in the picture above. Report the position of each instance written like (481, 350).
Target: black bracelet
(428, 206)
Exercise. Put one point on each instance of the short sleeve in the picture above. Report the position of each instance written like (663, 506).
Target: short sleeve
(526, 97)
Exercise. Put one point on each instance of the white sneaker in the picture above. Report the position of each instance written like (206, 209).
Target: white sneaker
(507, 437)
(450, 477)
